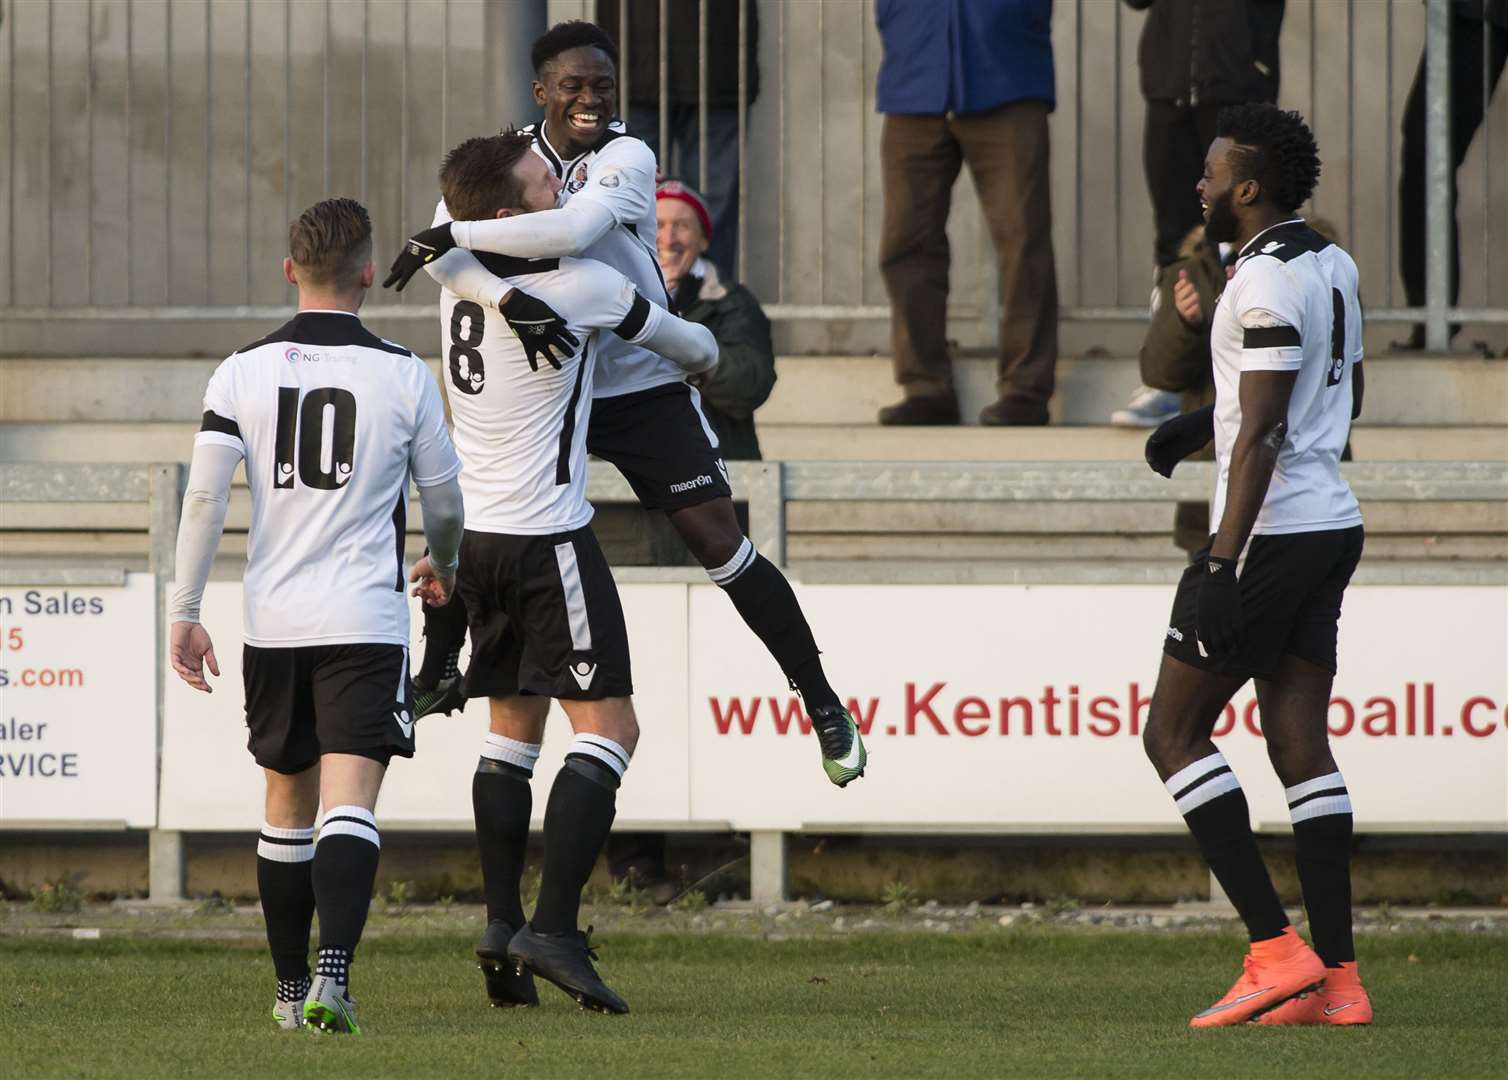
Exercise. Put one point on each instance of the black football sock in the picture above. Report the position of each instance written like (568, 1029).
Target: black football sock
(285, 882)
(345, 869)
(1213, 805)
(502, 801)
(768, 605)
(1322, 824)
(444, 634)
(578, 817)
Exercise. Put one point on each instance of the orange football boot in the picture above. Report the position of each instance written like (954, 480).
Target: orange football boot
(1341, 1002)
(1275, 970)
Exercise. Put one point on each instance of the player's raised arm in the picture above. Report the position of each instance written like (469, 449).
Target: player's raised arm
(462, 272)
(217, 451)
(617, 306)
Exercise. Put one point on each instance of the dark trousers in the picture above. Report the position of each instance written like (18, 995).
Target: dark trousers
(1473, 77)
(1006, 151)
(722, 168)
(1174, 142)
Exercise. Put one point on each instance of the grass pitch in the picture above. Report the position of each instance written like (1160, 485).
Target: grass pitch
(988, 1002)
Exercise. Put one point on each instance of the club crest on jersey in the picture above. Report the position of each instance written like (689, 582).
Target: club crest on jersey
(577, 180)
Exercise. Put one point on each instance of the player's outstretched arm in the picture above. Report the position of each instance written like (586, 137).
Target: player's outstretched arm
(204, 506)
(688, 344)
(549, 234)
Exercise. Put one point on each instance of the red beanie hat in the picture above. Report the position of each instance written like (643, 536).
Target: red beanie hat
(674, 189)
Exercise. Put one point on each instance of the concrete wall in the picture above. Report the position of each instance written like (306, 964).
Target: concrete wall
(156, 149)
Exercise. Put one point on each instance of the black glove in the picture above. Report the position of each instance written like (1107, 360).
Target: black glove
(420, 249)
(1218, 625)
(1178, 438)
(541, 330)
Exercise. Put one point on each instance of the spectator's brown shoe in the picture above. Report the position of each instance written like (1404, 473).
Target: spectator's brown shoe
(933, 409)
(1013, 411)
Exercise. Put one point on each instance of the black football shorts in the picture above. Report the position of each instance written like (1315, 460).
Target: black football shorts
(310, 700)
(662, 444)
(1291, 588)
(544, 616)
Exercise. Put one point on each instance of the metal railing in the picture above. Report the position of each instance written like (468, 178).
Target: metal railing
(155, 149)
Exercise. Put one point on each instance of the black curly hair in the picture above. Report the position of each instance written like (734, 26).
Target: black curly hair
(1275, 148)
(570, 35)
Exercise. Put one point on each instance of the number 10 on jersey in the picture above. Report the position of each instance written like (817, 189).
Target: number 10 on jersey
(316, 438)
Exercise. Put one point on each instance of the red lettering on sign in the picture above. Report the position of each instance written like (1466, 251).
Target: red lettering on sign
(923, 706)
(1470, 725)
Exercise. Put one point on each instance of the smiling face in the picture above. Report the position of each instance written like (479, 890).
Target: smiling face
(678, 237)
(1220, 193)
(577, 90)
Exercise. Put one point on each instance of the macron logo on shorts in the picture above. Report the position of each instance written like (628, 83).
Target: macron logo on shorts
(690, 485)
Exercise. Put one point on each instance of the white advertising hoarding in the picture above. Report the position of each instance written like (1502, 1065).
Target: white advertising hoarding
(985, 707)
(78, 705)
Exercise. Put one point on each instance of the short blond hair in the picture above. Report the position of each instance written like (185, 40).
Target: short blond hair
(331, 243)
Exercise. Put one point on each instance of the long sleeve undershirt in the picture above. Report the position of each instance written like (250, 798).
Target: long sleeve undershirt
(444, 522)
(204, 506)
(568, 230)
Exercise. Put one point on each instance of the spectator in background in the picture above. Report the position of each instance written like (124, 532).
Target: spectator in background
(740, 383)
(745, 372)
(641, 74)
(967, 81)
(1478, 49)
(1195, 56)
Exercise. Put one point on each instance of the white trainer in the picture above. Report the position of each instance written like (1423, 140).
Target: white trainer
(1147, 409)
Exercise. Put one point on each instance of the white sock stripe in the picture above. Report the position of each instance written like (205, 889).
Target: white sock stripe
(285, 853)
(278, 833)
(1189, 773)
(501, 748)
(1309, 787)
(360, 813)
(742, 559)
(605, 743)
(1211, 789)
(342, 827)
(602, 749)
(1325, 806)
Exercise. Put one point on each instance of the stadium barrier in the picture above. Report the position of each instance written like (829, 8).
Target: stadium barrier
(1005, 701)
(164, 146)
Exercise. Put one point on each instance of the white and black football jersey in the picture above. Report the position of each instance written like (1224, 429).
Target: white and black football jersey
(1291, 306)
(333, 421)
(521, 432)
(620, 175)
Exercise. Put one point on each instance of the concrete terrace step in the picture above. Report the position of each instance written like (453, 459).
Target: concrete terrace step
(104, 442)
(840, 518)
(812, 390)
(839, 443)
(1413, 390)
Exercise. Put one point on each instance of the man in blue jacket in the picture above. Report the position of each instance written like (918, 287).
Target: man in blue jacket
(967, 81)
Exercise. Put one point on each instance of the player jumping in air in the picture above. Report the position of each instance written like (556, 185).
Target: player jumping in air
(1263, 600)
(647, 419)
(332, 422)
(545, 618)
